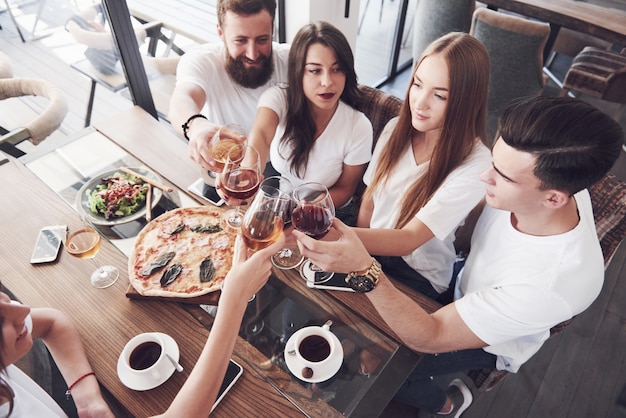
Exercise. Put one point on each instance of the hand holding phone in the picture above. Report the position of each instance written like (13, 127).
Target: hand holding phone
(48, 244)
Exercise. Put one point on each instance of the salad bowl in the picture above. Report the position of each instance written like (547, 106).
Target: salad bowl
(83, 204)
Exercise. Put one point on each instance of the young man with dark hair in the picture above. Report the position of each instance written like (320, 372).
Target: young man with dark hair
(221, 83)
(535, 258)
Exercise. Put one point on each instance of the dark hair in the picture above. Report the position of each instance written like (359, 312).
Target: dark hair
(300, 127)
(575, 143)
(244, 8)
(463, 125)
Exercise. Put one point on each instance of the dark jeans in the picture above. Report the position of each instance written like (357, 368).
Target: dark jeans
(419, 389)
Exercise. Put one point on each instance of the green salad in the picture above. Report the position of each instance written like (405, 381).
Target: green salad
(118, 195)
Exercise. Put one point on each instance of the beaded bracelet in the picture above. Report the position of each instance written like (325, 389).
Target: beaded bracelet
(68, 392)
(185, 125)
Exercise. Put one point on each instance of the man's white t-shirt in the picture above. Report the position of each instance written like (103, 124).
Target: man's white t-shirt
(227, 101)
(442, 214)
(347, 139)
(515, 287)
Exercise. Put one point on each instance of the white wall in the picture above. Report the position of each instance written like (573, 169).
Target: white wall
(300, 12)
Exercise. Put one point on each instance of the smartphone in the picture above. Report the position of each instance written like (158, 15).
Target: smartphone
(48, 244)
(233, 373)
(205, 192)
(336, 282)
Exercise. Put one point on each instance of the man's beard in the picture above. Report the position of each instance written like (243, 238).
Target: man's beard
(249, 77)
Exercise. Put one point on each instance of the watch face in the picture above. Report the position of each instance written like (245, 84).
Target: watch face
(361, 284)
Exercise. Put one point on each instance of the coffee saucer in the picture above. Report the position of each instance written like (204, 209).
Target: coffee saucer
(322, 373)
(131, 380)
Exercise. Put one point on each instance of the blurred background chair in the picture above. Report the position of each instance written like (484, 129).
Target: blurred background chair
(515, 47)
(567, 45)
(101, 65)
(435, 18)
(599, 73)
(41, 124)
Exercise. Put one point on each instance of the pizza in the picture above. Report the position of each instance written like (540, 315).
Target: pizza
(182, 253)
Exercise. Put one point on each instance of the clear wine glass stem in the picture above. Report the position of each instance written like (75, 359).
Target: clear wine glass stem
(235, 218)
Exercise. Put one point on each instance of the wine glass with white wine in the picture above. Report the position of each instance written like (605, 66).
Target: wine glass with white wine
(289, 256)
(85, 243)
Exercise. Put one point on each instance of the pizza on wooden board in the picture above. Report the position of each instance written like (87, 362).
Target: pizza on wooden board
(182, 253)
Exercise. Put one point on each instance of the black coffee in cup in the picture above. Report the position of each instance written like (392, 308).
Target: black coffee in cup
(314, 348)
(145, 355)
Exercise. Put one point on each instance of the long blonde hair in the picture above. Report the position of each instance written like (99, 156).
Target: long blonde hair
(463, 122)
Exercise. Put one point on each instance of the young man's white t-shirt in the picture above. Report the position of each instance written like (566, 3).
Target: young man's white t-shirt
(227, 101)
(347, 139)
(442, 214)
(515, 287)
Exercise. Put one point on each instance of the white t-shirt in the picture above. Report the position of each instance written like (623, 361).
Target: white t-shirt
(442, 214)
(227, 101)
(347, 139)
(30, 399)
(515, 286)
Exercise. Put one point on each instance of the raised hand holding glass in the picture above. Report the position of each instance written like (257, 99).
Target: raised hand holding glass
(239, 182)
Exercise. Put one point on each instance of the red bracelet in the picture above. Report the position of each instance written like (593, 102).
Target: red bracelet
(68, 391)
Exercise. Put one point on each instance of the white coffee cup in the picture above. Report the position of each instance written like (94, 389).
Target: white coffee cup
(145, 356)
(314, 347)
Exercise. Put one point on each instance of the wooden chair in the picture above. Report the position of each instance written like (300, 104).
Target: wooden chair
(515, 48)
(608, 198)
(379, 107)
(598, 73)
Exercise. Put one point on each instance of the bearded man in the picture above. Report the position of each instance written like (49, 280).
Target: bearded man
(221, 83)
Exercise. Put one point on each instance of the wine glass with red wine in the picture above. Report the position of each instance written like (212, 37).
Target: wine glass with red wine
(239, 182)
(313, 214)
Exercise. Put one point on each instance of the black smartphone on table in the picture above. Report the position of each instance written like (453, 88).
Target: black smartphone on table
(233, 373)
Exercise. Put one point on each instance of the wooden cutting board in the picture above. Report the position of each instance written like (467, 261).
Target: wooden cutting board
(208, 299)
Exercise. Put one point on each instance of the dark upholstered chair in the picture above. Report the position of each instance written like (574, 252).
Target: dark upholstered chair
(515, 48)
(598, 73)
(435, 18)
(608, 198)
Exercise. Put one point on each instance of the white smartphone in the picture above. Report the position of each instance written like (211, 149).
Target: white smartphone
(48, 244)
(233, 373)
(205, 192)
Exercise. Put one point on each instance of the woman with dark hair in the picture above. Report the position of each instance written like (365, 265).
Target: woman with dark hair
(423, 179)
(311, 129)
(22, 397)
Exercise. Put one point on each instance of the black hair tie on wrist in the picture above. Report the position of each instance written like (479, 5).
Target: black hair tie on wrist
(185, 125)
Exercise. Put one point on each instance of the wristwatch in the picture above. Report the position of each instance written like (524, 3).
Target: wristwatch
(364, 281)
